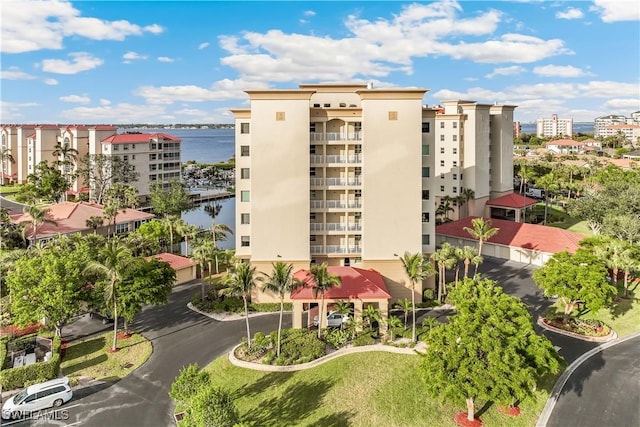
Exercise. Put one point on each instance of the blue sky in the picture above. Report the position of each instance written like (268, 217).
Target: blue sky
(189, 62)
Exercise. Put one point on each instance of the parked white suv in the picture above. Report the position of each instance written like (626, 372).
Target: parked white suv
(37, 397)
(334, 320)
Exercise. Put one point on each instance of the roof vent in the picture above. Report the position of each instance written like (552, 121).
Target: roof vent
(342, 104)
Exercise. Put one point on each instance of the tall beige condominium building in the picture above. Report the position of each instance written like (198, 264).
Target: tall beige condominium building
(349, 175)
(548, 128)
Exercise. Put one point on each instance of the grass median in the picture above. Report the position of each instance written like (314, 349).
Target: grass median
(90, 358)
(365, 389)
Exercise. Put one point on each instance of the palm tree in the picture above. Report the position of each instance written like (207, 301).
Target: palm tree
(467, 194)
(281, 282)
(5, 156)
(38, 217)
(371, 314)
(240, 283)
(393, 323)
(67, 156)
(324, 281)
(115, 260)
(444, 208)
(612, 253)
(172, 222)
(406, 306)
(188, 231)
(469, 255)
(629, 261)
(550, 183)
(219, 232)
(200, 255)
(94, 222)
(445, 259)
(343, 308)
(481, 231)
(418, 269)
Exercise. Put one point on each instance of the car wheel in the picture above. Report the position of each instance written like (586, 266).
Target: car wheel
(57, 402)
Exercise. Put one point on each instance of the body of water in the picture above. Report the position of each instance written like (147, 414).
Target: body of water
(202, 217)
(582, 127)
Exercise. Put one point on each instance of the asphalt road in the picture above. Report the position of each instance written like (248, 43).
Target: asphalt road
(604, 391)
(179, 337)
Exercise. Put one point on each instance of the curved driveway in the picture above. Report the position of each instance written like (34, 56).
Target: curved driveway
(179, 337)
(603, 391)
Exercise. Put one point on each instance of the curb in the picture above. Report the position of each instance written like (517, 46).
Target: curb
(612, 335)
(226, 319)
(559, 385)
(324, 359)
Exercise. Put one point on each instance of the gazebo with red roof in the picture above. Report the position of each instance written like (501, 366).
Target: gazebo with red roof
(359, 287)
(510, 207)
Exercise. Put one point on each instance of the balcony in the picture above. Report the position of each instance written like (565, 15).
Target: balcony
(335, 204)
(317, 204)
(316, 226)
(316, 159)
(317, 249)
(336, 226)
(354, 204)
(336, 181)
(316, 182)
(335, 136)
(338, 249)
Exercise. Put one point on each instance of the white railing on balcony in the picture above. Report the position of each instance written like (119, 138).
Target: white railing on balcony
(335, 136)
(336, 226)
(316, 136)
(317, 249)
(354, 181)
(316, 181)
(336, 181)
(316, 226)
(338, 249)
(354, 204)
(357, 158)
(336, 159)
(335, 204)
(354, 227)
(317, 204)
(317, 158)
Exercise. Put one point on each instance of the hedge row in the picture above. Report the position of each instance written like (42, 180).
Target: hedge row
(16, 378)
(3, 352)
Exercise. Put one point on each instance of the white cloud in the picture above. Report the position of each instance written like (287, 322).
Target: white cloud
(12, 111)
(131, 56)
(50, 82)
(80, 99)
(627, 104)
(570, 13)
(558, 71)
(14, 73)
(30, 25)
(165, 59)
(309, 13)
(120, 113)
(104, 102)
(81, 61)
(376, 48)
(221, 90)
(203, 45)
(617, 10)
(506, 71)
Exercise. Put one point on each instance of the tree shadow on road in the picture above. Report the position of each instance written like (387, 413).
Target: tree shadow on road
(577, 380)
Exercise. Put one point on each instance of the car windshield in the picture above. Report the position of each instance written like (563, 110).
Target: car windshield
(20, 397)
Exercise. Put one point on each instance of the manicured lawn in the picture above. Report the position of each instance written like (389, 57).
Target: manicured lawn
(568, 223)
(89, 358)
(366, 389)
(9, 188)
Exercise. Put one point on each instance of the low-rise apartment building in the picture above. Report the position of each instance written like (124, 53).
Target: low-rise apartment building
(351, 175)
(612, 124)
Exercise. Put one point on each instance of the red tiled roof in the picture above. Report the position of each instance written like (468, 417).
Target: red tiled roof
(357, 283)
(33, 135)
(517, 234)
(512, 201)
(176, 262)
(72, 217)
(623, 126)
(564, 143)
(137, 138)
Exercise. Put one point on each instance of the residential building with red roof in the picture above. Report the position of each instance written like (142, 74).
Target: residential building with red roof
(71, 217)
(155, 156)
(184, 267)
(511, 207)
(516, 241)
(358, 287)
(569, 146)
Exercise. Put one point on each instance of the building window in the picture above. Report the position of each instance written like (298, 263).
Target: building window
(425, 194)
(425, 216)
(244, 150)
(312, 171)
(125, 158)
(312, 216)
(312, 126)
(245, 241)
(425, 172)
(425, 127)
(441, 176)
(442, 138)
(279, 116)
(133, 157)
(312, 149)
(312, 238)
(122, 228)
(115, 148)
(152, 156)
(460, 177)
(455, 189)
(441, 150)
(442, 163)
(153, 177)
(425, 239)
(393, 115)
(455, 176)
(441, 125)
(244, 173)
(455, 125)
(425, 150)
(442, 188)
(327, 105)
(455, 151)
(244, 218)
(455, 138)
(245, 196)
(455, 163)
(244, 128)
(125, 146)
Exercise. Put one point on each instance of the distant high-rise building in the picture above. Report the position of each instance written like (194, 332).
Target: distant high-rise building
(612, 124)
(549, 128)
(517, 129)
(352, 176)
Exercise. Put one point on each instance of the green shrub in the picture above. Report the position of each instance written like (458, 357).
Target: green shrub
(260, 344)
(428, 295)
(3, 353)
(364, 339)
(336, 338)
(188, 383)
(229, 305)
(299, 346)
(269, 307)
(23, 376)
(212, 406)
